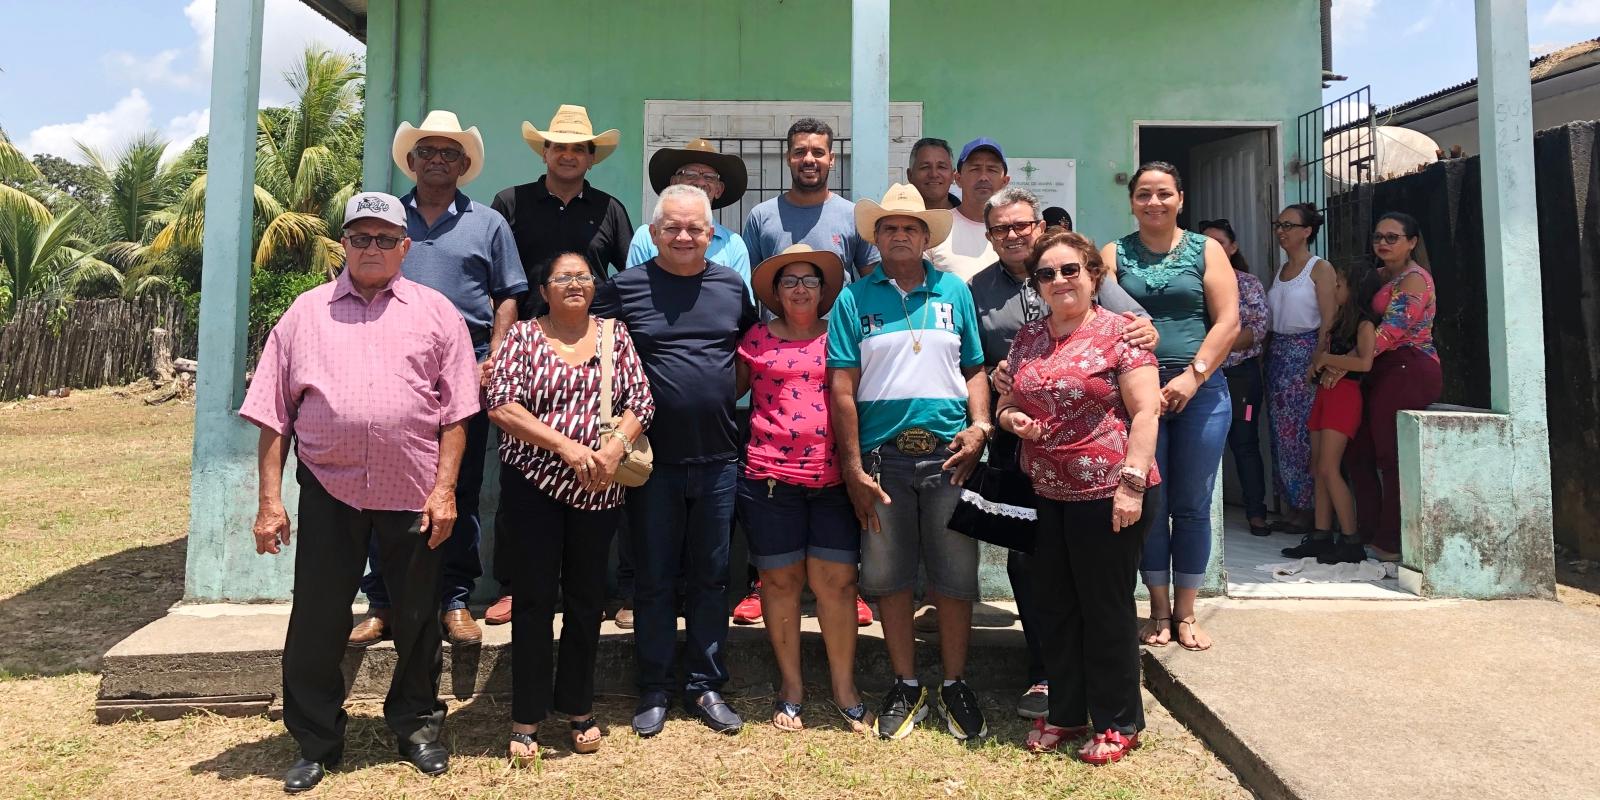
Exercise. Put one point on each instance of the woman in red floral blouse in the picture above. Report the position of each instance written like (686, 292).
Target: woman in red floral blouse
(1085, 404)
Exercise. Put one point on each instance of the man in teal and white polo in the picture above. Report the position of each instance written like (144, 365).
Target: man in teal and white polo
(910, 419)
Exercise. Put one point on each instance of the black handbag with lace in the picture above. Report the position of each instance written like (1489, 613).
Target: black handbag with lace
(997, 504)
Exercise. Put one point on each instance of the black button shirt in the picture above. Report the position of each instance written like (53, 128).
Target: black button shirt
(594, 224)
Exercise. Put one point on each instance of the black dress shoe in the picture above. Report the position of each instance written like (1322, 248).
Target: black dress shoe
(714, 712)
(430, 758)
(304, 775)
(651, 714)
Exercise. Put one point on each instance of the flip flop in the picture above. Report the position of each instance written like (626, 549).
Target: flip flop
(1177, 637)
(790, 710)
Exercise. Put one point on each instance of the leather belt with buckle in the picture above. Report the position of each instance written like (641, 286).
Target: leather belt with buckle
(916, 441)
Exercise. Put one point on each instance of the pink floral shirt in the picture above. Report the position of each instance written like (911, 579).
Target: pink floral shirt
(1405, 318)
(791, 436)
(365, 388)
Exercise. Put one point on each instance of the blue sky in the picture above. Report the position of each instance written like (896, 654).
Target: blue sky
(100, 71)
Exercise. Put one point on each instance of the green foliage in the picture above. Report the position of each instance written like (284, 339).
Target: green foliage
(271, 294)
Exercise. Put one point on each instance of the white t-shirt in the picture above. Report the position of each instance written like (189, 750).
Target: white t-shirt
(967, 251)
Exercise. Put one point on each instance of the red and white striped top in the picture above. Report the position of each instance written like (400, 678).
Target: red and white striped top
(565, 397)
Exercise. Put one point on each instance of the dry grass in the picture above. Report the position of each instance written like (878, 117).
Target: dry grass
(93, 506)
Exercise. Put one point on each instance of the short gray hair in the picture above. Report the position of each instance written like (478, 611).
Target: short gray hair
(1009, 195)
(682, 191)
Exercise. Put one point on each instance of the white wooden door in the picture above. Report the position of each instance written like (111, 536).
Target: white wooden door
(1235, 179)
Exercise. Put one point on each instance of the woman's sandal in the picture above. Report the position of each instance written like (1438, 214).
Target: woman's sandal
(784, 708)
(1035, 743)
(1120, 743)
(526, 740)
(1177, 635)
(1148, 636)
(856, 717)
(581, 727)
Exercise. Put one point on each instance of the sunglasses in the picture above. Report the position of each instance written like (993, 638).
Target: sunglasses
(1048, 274)
(360, 241)
(1018, 228)
(449, 155)
(791, 281)
(1388, 238)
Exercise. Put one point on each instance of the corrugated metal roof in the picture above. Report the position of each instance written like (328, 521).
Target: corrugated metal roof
(1544, 66)
(350, 15)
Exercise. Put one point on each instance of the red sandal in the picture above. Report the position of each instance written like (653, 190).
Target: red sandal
(1110, 737)
(1062, 735)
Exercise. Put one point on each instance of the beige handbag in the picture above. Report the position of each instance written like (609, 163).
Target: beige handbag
(637, 460)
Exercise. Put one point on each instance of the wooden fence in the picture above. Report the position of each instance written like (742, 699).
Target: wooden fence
(87, 343)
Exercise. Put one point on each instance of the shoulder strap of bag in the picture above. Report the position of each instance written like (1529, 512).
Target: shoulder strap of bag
(608, 330)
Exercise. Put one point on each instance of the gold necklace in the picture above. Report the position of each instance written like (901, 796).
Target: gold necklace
(563, 346)
(916, 336)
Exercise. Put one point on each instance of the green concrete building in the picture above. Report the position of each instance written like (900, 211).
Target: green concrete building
(1077, 91)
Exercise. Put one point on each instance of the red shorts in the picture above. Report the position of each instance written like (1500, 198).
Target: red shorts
(1337, 409)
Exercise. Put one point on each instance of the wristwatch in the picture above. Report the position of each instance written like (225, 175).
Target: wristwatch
(627, 444)
(1201, 368)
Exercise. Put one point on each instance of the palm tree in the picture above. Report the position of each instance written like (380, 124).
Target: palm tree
(15, 167)
(307, 167)
(139, 189)
(42, 254)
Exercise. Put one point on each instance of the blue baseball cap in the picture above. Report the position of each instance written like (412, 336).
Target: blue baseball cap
(982, 143)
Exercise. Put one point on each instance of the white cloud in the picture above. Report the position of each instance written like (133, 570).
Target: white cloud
(101, 130)
(184, 129)
(1350, 18)
(1420, 26)
(159, 69)
(1544, 48)
(1573, 12)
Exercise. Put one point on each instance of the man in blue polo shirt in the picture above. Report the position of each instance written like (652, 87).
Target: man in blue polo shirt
(722, 177)
(465, 251)
(911, 416)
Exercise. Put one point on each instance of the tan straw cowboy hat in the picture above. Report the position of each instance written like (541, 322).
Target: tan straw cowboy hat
(571, 124)
(902, 200)
(668, 160)
(825, 260)
(439, 123)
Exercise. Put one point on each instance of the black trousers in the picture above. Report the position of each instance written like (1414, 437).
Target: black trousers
(553, 544)
(1083, 576)
(330, 554)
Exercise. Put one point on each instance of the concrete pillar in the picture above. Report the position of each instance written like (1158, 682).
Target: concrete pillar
(383, 95)
(1475, 487)
(869, 98)
(222, 562)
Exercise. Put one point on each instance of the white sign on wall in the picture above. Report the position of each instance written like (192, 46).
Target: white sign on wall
(1054, 180)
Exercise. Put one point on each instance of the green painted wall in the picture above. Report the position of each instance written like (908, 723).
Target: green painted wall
(1066, 78)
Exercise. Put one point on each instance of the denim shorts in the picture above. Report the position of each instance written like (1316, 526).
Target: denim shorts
(914, 528)
(786, 524)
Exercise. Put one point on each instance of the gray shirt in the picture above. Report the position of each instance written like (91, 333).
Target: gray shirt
(1005, 303)
(468, 255)
(830, 225)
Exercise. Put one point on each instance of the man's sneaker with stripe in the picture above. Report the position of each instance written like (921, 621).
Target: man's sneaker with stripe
(903, 707)
(962, 716)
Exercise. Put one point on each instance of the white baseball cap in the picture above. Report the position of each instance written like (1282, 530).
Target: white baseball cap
(375, 205)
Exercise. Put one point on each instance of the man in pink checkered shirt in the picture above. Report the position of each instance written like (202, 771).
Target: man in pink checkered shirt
(372, 376)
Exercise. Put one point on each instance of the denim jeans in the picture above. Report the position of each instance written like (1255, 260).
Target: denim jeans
(1244, 438)
(1188, 455)
(462, 565)
(679, 522)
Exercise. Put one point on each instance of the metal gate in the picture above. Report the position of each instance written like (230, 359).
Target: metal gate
(1338, 148)
(766, 162)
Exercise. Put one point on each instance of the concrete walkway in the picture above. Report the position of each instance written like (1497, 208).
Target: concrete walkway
(1427, 700)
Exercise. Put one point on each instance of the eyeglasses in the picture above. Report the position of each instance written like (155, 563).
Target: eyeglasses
(1388, 238)
(1018, 228)
(360, 241)
(1213, 223)
(674, 231)
(791, 281)
(580, 278)
(1048, 274)
(695, 175)
(1283, 225)
(450, 155)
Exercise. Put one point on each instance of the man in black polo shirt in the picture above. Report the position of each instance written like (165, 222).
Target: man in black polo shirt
(561, 212)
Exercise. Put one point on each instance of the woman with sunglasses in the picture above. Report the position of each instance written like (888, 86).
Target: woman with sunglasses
(791, 500)
(1185, 282)
(1301, 308)
(557, 494)
(1405, 376)
(1085, 405)
(1243, 371)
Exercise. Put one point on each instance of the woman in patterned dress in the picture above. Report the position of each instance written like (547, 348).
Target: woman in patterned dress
(558, 496)
(1085, 404)
(792, 502)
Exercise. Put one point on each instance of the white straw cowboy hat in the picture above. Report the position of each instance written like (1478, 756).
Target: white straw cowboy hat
(668, 160)
(825, 260)
(902, 200)
(571, 124)
(439, 123)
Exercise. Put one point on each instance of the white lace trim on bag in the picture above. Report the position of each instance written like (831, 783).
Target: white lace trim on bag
(988, 506)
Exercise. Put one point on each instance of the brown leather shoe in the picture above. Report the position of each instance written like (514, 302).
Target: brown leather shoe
(500, 612)
(371, 630)
(624, 616)
(461, 628)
